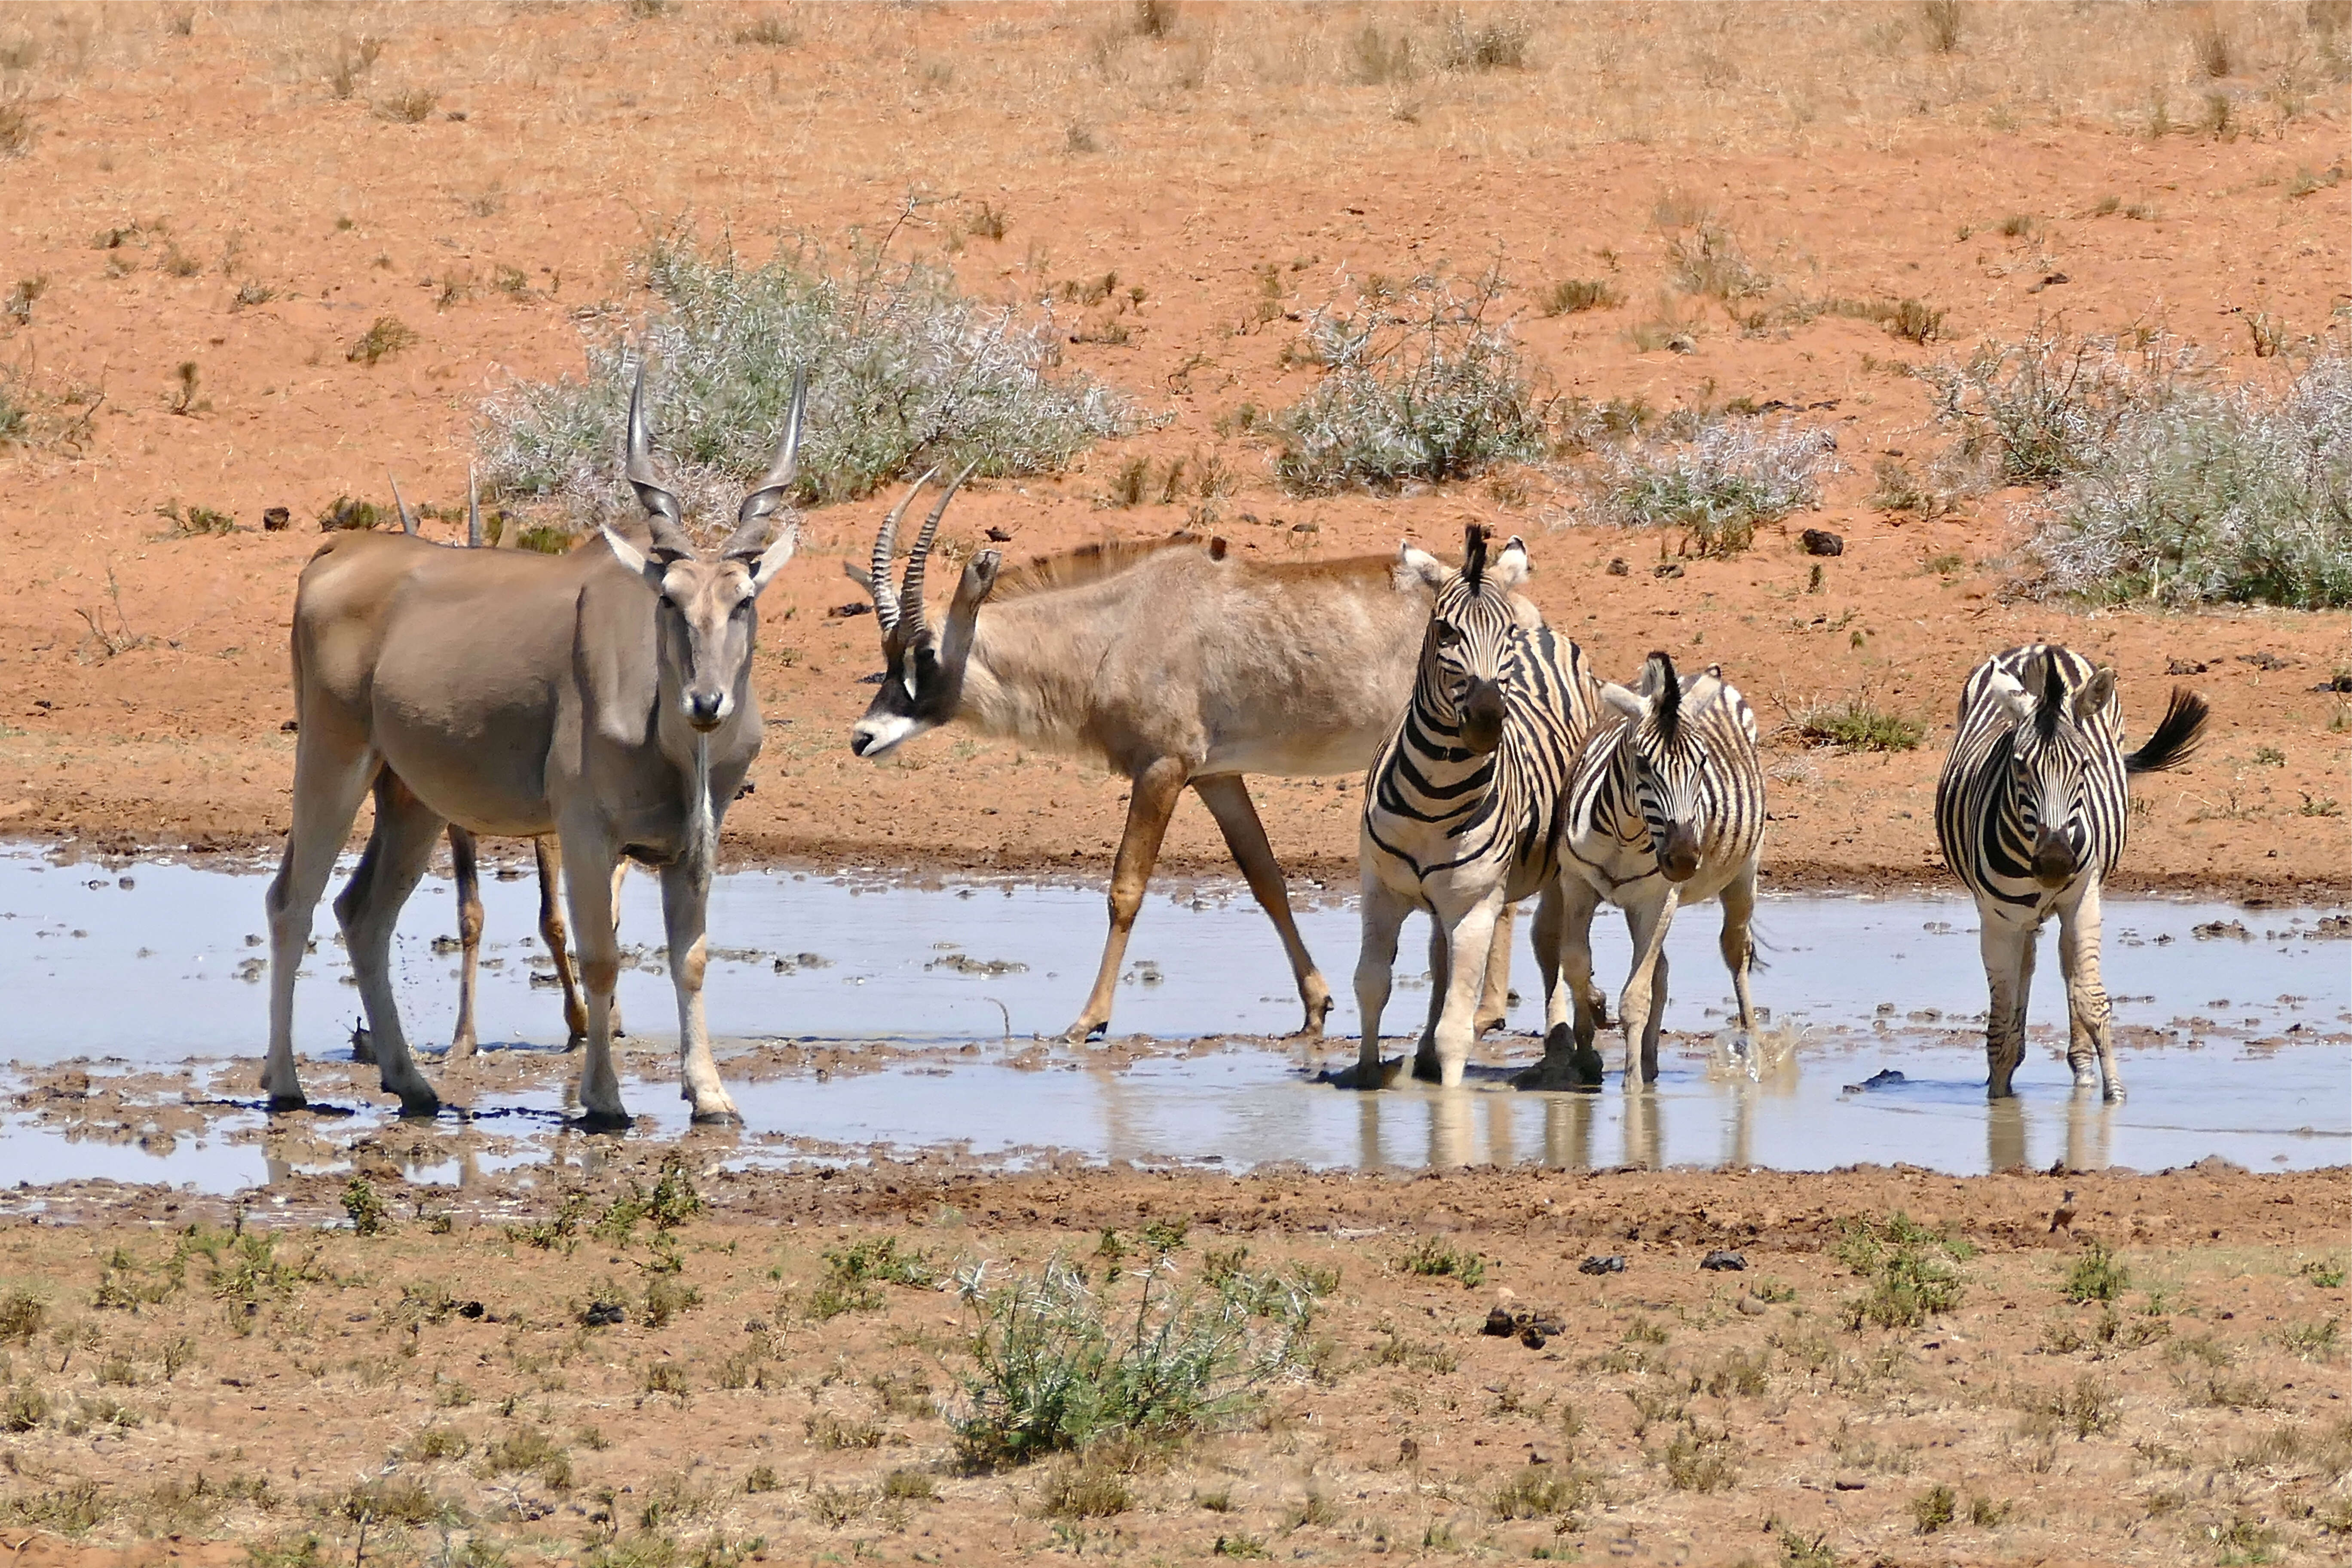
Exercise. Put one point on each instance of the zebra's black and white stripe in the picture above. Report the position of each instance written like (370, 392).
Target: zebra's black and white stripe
(1666, 807)
(2032, 811)
(1458, 805)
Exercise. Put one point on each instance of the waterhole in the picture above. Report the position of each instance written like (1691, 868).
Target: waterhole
(858, 1017)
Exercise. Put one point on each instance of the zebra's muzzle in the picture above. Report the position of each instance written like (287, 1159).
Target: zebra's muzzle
(1678, 855)
(2054, 864)
(1482, 717)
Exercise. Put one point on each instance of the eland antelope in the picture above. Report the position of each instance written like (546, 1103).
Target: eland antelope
(1666, 808)
(465, 865)
(1459, 804)
(1176, 664)
(603, 696)
(2031, 811)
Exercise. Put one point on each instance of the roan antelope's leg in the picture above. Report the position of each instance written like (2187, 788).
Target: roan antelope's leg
(398, 850)
(464, 861)
(1739, 947)
(685, 905)
(1642, 1005)
(2090, 1030)
(1150, 804)
(2009, 974)
(329, 784)
(559, 941)
(1467, 933)
(1494, 1000)
(1228, 799)
(1569, 1060)
(1384, 910)
(588, 888)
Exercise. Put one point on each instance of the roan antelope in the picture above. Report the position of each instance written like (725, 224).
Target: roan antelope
(2031, 811)
(602, 696)
(1174, 663)
(1460, 804)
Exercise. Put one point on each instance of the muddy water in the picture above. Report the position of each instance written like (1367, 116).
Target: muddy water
(2235, 1037)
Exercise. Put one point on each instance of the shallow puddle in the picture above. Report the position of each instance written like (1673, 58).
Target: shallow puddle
(2232, 1025)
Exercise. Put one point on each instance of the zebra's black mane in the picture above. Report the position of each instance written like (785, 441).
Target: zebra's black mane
(1474, 556)
(1668, 713)
(2051, 700)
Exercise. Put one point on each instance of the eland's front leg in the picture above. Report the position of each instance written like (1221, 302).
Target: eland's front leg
(329, 785)
(588, 888)
(686, 904)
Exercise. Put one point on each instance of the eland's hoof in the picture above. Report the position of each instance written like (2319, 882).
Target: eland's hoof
(423, 1106)
(726, 1116)
(282, 1104)
(603, 1122)
(1354, 1075)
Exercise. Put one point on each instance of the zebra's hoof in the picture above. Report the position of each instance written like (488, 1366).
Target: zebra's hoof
(1427, 1070)
(1550, 1075)
(1355, 1077)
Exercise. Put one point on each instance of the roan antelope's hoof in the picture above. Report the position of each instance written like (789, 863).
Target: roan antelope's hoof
(1083, 1033)
(1353, 1075)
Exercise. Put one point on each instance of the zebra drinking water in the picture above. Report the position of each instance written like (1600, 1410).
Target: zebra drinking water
(1666, 807)
(2033, 810)
(1459, 805)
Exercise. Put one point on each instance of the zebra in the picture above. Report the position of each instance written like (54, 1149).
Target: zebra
(1458, 805)
(1666, 807)
(2031, 811)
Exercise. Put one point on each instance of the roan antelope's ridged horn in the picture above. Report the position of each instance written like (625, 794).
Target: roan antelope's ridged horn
(663, 514)
(911, 598)
(886, 544)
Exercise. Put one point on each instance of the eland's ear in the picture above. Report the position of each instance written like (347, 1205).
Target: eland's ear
(772, 559)
(2096, 693)
(1419, 567)
(628, 554)
(1509, 565)
(2005, 690)
(1624, 700)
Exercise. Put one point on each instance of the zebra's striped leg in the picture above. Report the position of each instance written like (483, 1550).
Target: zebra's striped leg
(1469, 935)
(1647, 923)
(1151, 802)
(1569, 1061)
(1228, 800)
(1441, 979)
(1384, 910)
(1739, 949)
(465, 863)
(1495, 998)
(2090, 1028)
(2008, 972)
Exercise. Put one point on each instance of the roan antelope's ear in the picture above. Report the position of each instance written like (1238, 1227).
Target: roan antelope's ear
(1419, 567)
(2096, 693)
(1625, 701)
(859, 575)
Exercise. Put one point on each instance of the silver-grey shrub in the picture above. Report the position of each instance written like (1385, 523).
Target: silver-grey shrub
(905, 371)
(1418, 385)
(2232, 495)
(1730, 478)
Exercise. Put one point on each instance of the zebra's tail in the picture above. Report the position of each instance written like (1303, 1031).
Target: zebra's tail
(2176, 739)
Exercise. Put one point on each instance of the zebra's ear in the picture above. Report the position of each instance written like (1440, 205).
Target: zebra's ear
(2005, 690)
(1625, 701)
(1510, 566)
(2096, 693)
(1419, 567)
